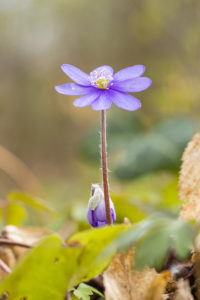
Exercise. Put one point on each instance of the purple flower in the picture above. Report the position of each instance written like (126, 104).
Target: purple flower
(96, 208)
(102, 88)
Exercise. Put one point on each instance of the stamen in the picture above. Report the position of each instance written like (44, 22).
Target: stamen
(101, 80)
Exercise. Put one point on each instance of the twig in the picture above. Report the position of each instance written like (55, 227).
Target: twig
(4, 267)
(13, 243)
(67, 297)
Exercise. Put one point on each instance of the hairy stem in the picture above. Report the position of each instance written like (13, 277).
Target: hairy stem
(105, 168)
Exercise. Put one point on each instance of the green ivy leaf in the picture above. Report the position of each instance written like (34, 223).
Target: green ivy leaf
(84, 291)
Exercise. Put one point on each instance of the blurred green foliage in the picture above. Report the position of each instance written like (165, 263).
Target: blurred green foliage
(42, 127)
(136, 200)
(21, 208)
(137, 151)
(153, 238)
(32, 201)
(147, 195)
(174, 235)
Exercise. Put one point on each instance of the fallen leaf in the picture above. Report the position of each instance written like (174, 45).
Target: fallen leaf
(8, 257)
(122, 282)
(28, 235)
(196, 262)
(189, 187)
(183, 291)
(158, 286)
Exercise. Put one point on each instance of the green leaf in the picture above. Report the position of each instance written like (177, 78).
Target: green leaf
(50, 269)
(153, 238)
(130, 237)
(173, 234)
(94, 260)
(183, 235)
(44, 273)
(84, 291)
(152, 249)
(32, 201)
(16, 214)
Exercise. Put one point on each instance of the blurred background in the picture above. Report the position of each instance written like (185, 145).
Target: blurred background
(50, 149)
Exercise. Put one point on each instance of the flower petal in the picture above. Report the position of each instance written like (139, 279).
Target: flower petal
(129, 73)
(107, 69)
(132, 85)
(101, 224)
(86, 100)
(76, 74)
(103, 102)
(73, 89)
(100, 212)
(125, 101)
(91, 218)
(113, 215)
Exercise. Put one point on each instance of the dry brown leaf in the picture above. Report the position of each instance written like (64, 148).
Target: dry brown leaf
(196, 262)
(122, 282)
(197, 243)
(158, 286)
(189, 180)
(27, 235)
(183, 291)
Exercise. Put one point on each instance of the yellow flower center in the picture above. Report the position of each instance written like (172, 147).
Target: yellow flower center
(102, 83)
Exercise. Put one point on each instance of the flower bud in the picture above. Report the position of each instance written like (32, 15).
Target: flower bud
(96, 208)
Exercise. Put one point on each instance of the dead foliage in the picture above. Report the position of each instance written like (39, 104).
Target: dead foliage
(183, 291)
(158, 286)
(122, 282)
(189, 180)
(26, 236)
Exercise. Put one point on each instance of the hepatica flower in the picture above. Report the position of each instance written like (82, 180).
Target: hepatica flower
(102, 87)
(96, 208)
